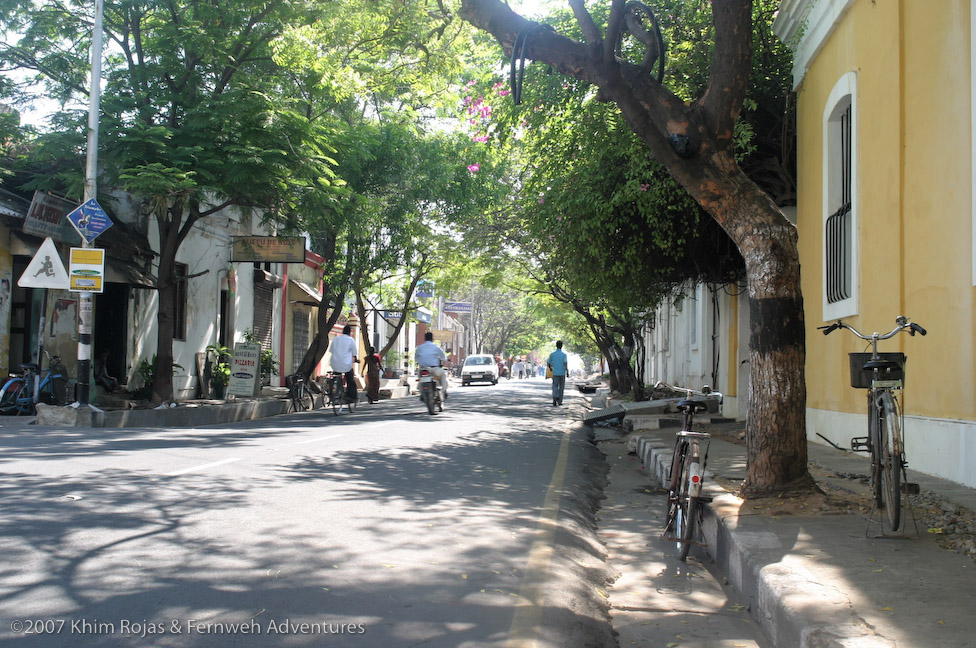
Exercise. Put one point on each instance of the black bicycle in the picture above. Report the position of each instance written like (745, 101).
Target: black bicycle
(338, 393)
(687, 474)
(883, 374)
(299, 394)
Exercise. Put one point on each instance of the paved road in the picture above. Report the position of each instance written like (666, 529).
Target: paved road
(384, 528)
(380, 529)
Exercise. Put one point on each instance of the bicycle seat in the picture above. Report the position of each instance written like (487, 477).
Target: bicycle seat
(29, 366)
(881, 365)
(693, 405)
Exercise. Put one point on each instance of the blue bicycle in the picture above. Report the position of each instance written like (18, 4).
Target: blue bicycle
(18, 395)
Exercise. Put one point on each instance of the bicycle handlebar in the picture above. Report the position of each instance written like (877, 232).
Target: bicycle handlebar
(902, 324)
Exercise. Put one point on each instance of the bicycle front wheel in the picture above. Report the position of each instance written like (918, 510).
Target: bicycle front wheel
(336, 396)
(891, 455)
(687, 510)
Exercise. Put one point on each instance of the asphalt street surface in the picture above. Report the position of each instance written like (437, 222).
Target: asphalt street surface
(383, 528)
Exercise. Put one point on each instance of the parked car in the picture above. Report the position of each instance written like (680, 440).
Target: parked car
(479, 368)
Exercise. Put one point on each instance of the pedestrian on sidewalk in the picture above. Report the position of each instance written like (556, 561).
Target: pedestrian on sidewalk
(558, 364)
(374, 367)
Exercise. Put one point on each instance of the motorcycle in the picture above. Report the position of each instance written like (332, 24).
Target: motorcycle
(430, 391)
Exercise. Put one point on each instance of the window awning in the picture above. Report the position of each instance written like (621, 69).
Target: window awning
(301, 293)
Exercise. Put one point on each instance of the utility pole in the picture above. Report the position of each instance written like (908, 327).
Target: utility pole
(86, 311)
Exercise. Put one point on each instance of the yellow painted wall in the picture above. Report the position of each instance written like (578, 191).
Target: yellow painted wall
(914, 193)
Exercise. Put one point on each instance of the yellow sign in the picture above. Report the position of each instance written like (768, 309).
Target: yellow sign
(272, 249)
(443, 335)
(86, 270)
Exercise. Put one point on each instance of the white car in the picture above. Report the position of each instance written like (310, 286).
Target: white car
(479, 368)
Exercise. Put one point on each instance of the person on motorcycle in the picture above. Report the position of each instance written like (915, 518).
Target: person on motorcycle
(431, 356)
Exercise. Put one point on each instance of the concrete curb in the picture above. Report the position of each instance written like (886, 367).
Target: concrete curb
(185, 414)
(792, 604)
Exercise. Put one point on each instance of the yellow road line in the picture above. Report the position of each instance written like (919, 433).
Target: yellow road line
(524, 632)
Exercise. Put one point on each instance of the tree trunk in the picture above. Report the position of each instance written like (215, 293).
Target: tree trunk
(325, 321)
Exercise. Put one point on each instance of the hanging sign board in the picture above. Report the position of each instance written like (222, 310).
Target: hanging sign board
(269, 249)
(456, 307)
(86, 270)
(46, 218)
(245, 369)
(45, 270)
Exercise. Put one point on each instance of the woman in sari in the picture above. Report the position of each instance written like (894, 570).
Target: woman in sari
(374, 368)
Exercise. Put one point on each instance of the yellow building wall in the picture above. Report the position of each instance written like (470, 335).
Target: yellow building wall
(914, 201)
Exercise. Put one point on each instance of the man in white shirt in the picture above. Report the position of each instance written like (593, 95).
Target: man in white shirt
(431, 356)
(343, 350)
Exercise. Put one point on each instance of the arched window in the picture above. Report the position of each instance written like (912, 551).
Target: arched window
(840, 249)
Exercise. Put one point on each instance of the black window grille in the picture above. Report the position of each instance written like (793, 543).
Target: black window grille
(840, 235)
(180, 272)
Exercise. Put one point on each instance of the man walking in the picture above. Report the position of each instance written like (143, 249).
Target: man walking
(343, 350)
(558, 363)
(431, 356)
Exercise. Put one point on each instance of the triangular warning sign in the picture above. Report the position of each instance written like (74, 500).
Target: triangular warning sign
(46, 269)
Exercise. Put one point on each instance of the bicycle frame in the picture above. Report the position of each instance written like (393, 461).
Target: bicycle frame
(32, 385)
(687, 474)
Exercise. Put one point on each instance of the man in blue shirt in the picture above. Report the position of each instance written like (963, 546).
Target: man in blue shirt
(558, 363)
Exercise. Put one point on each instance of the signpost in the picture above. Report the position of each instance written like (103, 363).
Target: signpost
(245, 369)
(457, 307)
(45, 270)
(87, 270)
(90, 220)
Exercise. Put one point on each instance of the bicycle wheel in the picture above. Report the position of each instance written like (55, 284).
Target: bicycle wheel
(891, 453)
(337, 395)
(687, 509)
(8, 395)
(305, 400)
(671, 530)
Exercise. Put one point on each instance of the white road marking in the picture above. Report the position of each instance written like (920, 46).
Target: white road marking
(379, 425)
(202, 467)
(325, 438)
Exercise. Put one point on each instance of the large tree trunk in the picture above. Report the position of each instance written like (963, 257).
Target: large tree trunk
(694, 139)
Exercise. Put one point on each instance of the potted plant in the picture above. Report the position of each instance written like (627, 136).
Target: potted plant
(219, 356)
(147, 373)
(269, 365)
(391, 362)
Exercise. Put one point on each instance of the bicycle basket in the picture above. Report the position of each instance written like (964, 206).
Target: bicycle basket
(861, 379)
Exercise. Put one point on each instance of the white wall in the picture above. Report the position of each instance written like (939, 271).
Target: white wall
(942, 447)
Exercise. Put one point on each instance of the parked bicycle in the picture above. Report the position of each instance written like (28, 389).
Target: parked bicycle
(338, 393)
(21, 393)
(299, 393)
(687, 474)
(883, 374)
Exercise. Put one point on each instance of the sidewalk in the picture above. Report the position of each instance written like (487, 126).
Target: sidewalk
(187, 413)
(812, 578)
